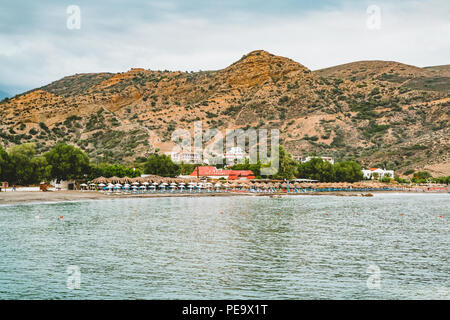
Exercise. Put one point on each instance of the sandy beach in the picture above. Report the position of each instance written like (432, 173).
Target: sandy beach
(17, 197)
(58, 196)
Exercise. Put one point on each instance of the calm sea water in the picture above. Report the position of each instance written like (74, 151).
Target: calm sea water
(185, 248)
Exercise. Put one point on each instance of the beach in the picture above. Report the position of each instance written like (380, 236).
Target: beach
(59, 196)
(16, 197)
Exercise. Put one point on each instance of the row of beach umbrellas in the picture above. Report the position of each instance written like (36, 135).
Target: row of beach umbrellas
(163, 182)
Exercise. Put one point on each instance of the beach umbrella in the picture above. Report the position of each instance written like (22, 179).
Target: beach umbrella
(145, 183)
(114, 180)
(234, 184)
(100, 180)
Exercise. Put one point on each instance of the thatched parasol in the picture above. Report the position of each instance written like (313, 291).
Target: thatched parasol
(100, 180)
(114, 180)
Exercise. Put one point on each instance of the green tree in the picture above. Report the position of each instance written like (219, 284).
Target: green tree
(348, 171)
(324, 171)
(186, 168)
(316, 169)
(67, 162)
(4, 164)
(386, 179)
(444, 180)
(42, 169)
(422, 175)
(255, 167)
(161, 165)
(25, 168)
(287, 165)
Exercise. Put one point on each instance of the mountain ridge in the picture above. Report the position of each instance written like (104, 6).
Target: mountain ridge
(380, 112)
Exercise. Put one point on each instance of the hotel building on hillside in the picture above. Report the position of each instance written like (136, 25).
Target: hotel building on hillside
(308, 158)
(235, 154)
(185, 157)
(370, 173)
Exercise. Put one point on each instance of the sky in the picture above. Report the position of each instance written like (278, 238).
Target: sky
(43, 41)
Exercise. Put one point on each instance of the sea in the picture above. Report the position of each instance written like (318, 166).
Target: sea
(389, 246)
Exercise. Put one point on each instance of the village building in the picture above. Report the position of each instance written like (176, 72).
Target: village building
(185, 157)
(377, 172)
(214, 173)
(308, 158)
(235, 155)
(66, 185)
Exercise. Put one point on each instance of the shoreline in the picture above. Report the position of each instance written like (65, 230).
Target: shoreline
(26, 197)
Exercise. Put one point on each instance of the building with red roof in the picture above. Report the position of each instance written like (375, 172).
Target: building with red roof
(214, 173)
(380, 173)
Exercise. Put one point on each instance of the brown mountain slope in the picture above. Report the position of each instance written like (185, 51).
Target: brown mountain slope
(381, 113)
(441, 71)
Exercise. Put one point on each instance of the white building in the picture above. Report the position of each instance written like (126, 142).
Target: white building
(185, 157)
(235, 154)
(306, 159)
(65, 185)
(380, 173)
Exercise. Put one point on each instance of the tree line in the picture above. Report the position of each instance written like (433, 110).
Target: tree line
(315, 169)
(22, 166)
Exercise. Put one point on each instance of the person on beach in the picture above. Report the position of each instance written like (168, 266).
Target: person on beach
(14, 187)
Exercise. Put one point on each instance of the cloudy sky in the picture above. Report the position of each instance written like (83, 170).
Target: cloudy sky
(40, 42)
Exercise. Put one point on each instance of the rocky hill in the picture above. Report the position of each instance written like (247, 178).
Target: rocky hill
(379, 112)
